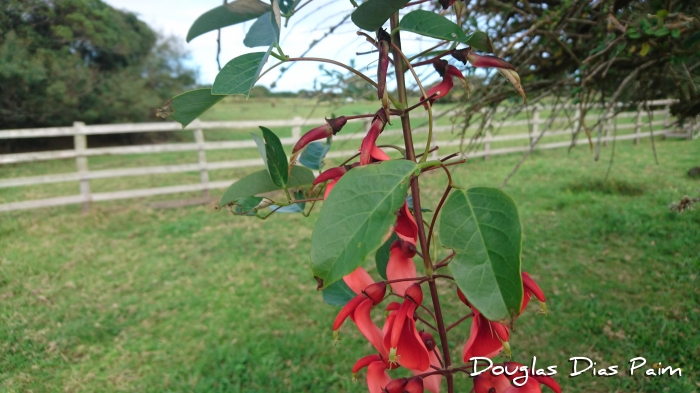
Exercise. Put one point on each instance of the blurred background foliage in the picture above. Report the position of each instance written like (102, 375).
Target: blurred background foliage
(68, 60)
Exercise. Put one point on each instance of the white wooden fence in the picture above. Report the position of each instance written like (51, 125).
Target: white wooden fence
(83, 175)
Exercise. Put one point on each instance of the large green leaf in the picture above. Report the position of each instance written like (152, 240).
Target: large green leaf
(480, 41)
(482, 226)
(260, 183)
(275, 158)
(356, 217)
(434, 25)
(372, 14)
(186, 107)
(264, 32)
(227, 15)
(338, 293)
(240, 74)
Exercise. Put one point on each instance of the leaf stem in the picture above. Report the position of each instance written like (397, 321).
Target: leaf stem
(464, 318)
(336, 63)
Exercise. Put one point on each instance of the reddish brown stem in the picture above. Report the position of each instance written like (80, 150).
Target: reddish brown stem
(430, 61)
(464, 318)
(445, 261)
(415, 192)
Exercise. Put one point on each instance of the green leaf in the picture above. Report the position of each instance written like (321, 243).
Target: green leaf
(633, 33)
(356, 217)
(313, 154)
(663, 31)
(372, 14)
(247, 206)
(186, 107)
(675, 33)
(260, 183)
(338, 293)
(381, 258)
(483, 228)
(430, 24)
(226, 15)
(294, 207)
(275, 158)
(264, 32)
(260, 143)
(480, 41)
(240, 74)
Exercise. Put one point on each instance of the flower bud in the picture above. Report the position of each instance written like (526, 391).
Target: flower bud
(415, 293)
(332, 127)
(384, 43)
(318, 133)
(337, 123)
(395, 386)
(428, 340)
(376, 292)
(488, 61)
(330, 174)
(446, 3)
(440, 66)
(415, 385)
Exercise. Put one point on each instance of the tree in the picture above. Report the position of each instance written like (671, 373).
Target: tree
(81, 60)
(592, 52)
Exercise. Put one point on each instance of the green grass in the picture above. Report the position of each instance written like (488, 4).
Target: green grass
(128, 298)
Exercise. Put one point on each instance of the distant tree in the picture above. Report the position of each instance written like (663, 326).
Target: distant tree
(68, 60)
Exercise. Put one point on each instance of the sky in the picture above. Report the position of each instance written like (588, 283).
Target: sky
(174, 17)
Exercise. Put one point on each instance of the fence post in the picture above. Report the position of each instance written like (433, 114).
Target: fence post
(296, 129)
(201, 157)
(487, 145)
(667, 114)
(80, 145)
(535, 129)
(638, 124)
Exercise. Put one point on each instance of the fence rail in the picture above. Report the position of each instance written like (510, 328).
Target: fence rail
(84, 175)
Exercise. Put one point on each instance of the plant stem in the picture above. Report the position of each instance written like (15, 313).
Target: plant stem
(415, 192)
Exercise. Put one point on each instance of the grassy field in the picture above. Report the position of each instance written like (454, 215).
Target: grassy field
(132, 299)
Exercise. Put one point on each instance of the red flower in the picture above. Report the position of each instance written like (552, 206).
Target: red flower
(401, 338)
(364, 323)
(406, 227)
(531, 289)
(486, 338)
(377, 377)
(374, 293)
(331, 176)
(332, 127)
(506, 69)
(396, 386)
(432, 382)
(358, 280)
(447, 72)
(369, 143)
(401, 266)
(415, 385)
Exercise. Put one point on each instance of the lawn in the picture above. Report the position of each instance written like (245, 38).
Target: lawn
(129, 298)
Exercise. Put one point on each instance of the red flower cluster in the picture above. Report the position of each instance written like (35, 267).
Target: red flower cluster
(488, 339)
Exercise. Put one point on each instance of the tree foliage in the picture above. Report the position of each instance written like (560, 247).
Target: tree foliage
(68, 60)
(593, 52)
